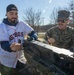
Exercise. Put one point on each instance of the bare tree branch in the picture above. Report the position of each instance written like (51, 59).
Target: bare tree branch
(33, 18)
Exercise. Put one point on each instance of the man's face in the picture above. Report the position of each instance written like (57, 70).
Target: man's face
(12, 16)
(62, 23)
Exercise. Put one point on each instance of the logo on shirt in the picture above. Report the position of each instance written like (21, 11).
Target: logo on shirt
(16, 34)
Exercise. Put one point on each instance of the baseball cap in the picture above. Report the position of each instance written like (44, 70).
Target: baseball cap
(64, 14)
(11, 7)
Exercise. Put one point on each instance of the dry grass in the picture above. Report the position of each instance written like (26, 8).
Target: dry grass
(41, 37)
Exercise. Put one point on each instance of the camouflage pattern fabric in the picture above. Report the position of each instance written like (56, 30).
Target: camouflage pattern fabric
(21, 69)
(63, 39)
(7, 71)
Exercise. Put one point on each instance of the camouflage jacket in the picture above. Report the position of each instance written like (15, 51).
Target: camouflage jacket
(63, 39)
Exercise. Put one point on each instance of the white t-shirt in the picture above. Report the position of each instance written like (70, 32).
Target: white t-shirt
(13, 34)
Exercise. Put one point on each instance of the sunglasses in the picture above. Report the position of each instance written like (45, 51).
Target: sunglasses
(61, 20)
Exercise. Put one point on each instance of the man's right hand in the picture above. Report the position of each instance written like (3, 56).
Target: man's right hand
(16, 46)
(51, 40)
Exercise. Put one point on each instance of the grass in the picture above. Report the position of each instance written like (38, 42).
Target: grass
(41, 37)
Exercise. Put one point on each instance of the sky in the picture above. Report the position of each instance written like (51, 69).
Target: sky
(45, 6)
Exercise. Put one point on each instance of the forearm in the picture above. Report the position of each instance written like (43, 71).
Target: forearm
(33, 35)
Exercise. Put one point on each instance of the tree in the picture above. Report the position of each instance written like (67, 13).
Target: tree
(53, 16)
(33, 18)
(71, 8)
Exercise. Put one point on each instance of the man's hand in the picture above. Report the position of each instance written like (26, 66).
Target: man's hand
(16, 46)
(51, 40)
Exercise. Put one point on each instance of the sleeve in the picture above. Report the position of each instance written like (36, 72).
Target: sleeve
(33, 35)
(72, 42)
(27, 28)
(6, 46)
(3, 34)
(47, 34)
(4, 38)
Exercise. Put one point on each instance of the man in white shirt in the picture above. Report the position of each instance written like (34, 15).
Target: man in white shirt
(11, 32)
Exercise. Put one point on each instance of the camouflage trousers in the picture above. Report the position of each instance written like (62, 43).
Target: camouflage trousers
(21, 69)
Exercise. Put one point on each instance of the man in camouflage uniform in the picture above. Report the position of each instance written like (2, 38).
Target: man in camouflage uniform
(61, 35)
